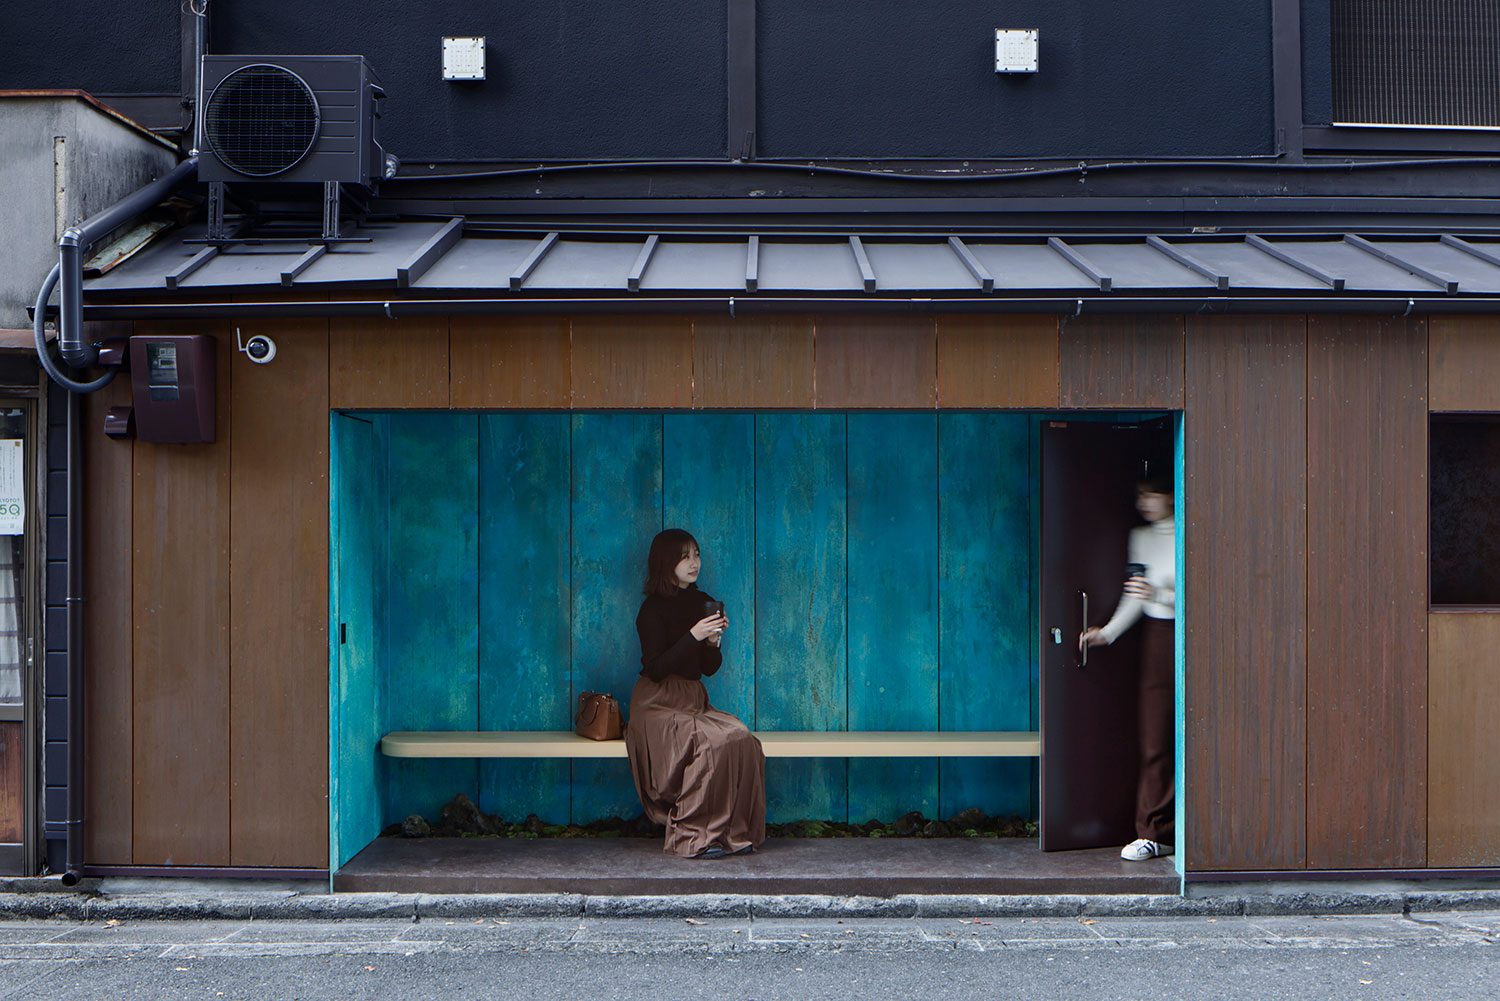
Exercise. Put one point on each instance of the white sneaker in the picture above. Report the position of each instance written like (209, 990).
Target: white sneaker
(1141, 849)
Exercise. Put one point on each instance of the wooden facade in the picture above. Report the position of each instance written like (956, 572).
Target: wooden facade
(1332, 721)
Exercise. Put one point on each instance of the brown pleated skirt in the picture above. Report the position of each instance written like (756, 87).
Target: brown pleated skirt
(699, 771)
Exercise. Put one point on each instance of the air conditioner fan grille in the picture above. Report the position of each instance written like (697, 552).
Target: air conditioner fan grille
(261, 120)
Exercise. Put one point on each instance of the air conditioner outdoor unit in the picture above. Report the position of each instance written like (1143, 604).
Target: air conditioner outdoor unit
(290, 118)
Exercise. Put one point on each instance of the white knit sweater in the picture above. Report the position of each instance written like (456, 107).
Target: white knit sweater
(1154, 545)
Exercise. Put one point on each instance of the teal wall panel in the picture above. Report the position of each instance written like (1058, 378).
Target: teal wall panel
(433, 608)
(524, 605)
(708, 488)
(893, 605)
(800, 587)
(616, 509)
(985, 599)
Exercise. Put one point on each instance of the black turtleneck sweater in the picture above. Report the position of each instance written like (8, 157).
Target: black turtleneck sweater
(667, 645)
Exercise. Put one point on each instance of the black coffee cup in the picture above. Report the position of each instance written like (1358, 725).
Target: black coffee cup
(713, 608)
(1135, 570)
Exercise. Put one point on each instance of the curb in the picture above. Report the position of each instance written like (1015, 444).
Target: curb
(292, 906)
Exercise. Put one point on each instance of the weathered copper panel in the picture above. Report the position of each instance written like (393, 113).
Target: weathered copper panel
(1130, 361)
(510, 361)
(997, 361)
(1464, 362)
(765, 362)
(388, 364)
(632, 361)
(876, 361)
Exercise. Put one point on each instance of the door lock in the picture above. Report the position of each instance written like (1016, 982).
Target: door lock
(1057, 636)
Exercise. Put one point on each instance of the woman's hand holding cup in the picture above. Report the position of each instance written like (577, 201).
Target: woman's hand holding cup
(710, 627)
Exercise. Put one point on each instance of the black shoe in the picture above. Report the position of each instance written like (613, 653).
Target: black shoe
(712, 851)
(747, 850)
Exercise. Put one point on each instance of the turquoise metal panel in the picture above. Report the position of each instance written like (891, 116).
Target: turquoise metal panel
(800, 586)
(524, 635)
(356, 597)
(1179, 509)
(986, 600)
(433, 613)
(616, 505)
(708, 488)
(893, 605)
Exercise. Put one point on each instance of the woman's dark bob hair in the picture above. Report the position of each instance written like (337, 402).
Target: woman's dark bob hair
(1161, 484)
(667, 550)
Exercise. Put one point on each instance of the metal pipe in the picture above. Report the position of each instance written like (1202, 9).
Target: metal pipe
(73, 853)
(76, 241)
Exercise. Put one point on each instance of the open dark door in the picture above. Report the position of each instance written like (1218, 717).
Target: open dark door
(1088, 702)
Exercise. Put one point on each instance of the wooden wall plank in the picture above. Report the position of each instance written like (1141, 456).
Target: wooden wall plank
(433, 606)
(181, 610)
(616, 510)
(997, 361)
(524, 582)
(708, 488)
(875, 361)
(1463, 827)
(800, 584)
(760, 362)
(360, 571)
(388, 364)
(1367, 593)
(12, 782)
(278, 636)
(1129, 361)
(510, 361)
(108, 707)
(632, 361)
(1246, 617)
(1464, 362)
(986, 625)
(892, 600)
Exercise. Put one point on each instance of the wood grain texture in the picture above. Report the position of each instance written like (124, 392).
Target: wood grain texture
(510, 361)
(1246, 616)
(181, 610)
(524, 584)
(1463, 792)
(761, 362)
(801, 579)
(1367, 593)
(632, 361)
(278, 638)
(1464, 362)
(12, 782)
(892, 604)
(108, 706)
(997, 361)
(986, 623)
(1132, 362)
(388, 364)
(708, 488)
(433, 603)
(616, 511)
(875, 361)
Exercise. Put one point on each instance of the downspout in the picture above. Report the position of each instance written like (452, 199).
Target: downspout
(73, 864)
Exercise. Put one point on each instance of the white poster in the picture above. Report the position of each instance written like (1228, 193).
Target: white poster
(12, 486)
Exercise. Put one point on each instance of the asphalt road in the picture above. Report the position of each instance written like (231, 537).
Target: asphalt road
(1429, 956)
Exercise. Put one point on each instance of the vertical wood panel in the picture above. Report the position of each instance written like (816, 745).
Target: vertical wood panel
(388, 363)
(986, 624)
(997, 361)
(1463, 827)
(1121, 361)
(524, 583)
(632, 361)
(12, 782)
(278, 640)
(800, 584)
(876, 361)
(510, 362)
(181, 610)
(1464, 362)
(892, 605)
(108, 778)
(1246, 613)
(762, 362)
(616, 510)
(708, 488)
(1367, 593)
(433, 610)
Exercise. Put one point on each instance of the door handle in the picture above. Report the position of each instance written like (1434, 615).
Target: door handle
(1056, 636)
(1083, 660)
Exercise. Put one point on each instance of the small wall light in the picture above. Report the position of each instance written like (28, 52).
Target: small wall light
(463, 58)
(1015, 50)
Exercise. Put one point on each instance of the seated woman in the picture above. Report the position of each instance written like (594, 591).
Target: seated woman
(697, 770)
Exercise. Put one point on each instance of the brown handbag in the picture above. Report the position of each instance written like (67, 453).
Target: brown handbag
(598, 717)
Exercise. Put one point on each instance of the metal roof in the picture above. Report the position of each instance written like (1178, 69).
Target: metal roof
(417, 260)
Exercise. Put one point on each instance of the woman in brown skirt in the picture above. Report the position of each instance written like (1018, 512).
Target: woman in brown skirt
(697, 770)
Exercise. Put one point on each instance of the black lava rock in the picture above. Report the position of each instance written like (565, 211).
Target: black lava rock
(972, 818)
(415, 827)
(936, 829)
(910, 824)
(533, 824)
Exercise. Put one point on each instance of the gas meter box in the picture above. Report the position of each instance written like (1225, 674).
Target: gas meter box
(172, 380)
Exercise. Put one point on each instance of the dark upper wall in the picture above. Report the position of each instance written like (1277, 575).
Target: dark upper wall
(589, 79)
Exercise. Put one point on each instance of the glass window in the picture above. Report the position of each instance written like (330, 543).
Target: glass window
(13, 498)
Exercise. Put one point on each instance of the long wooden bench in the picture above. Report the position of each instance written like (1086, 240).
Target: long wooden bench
(777, 744)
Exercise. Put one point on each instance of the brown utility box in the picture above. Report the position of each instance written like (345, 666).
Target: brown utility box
(172, 379)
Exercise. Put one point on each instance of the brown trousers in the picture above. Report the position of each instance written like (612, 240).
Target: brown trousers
(1155, 807)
